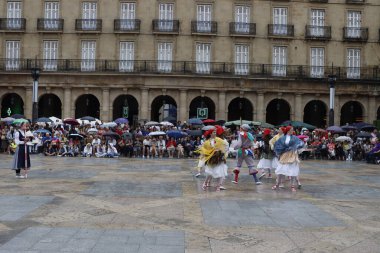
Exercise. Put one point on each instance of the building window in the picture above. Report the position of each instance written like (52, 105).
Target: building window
(204, 18)
(127, 56)
(51, 15)
(12, 55)
(317, 62)
(280, 21)
(241, 59)
(353, 63)
(279, 61)
(165, 57)
(317, 22)
(354, 23)
(88, 55)
(242, 18)
(89, 14)
(50, 55)
(203, 58)
(127, 16)
(165, 17)
(14, 15)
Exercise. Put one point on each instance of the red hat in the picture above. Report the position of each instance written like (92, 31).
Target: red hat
(219, 130)
(266, 132)
(208, 132)
(286, 129)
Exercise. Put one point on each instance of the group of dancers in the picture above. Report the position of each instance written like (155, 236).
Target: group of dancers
(279, 152)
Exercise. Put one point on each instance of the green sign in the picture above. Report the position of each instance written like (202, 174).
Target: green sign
(125, 111)
(9, 112)
(202, 113)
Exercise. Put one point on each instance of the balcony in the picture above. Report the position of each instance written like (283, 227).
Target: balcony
(127, 25)
(12, 24)
(355, 1)
(318, 1)
(88, 25)
(354, 34)
(242, 29)
(49, 25)
(165, 26)
(318, 32)
(204, 27)
(281, 31)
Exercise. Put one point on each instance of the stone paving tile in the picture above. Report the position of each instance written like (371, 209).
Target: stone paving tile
(149, 168)
(371, 179)
(13, 208)
(278, 213)
(63, 173)
(138, 189)
(44, 240)
(343, 191)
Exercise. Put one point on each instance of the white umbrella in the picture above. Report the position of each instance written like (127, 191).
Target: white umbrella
(92, 131)
(152, 123)
(109, 124)
(157, 133)
(56, 120)
(205, 128)
(343, 138)
(166, 123)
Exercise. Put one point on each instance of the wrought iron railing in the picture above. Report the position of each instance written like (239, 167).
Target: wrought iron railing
(280, 30)
(355, 1)
(127, 25)
(318, 1)
(355, 34)
(94, 25)
(139, 67)
(244, 29)
(165, 26)
(318, 32)
(12, 24)
(204, 27)
(50, 25)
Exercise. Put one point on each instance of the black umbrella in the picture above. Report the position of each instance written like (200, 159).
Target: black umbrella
(43, 120)
(18, 116)
(364, 135)
(195, 132)
(89, 118)
(112, 135)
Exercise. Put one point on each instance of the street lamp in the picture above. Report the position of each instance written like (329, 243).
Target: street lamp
(36, 75)
(332, 80)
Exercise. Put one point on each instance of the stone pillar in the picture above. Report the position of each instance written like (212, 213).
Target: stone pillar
(67, 103)
(144, 104)
(28, 106)
(105, 105)
(298, 114)
(260, 107)
(183, 106)
(337, 111)
(222, 112)
(372, 109)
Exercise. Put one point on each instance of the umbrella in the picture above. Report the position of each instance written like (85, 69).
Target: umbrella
(71, 121)
(127, 135)
(76, 136)
(302, 137)
(348, 127)
(364, 135)
(208, 121)
(205, 128)
(92, 131)
(18, 116)
(220, 122)
(152, 123)
(55, 120)
(297, 124)
(335, 129)
(19, 121)
(238, 122)
(343, 138)
(166, 123)
(170, 118)
(176, 134)
(111, 134)
(42, 131)
(367, 127)
(89, 118)
(157, 133)
(195, 132)
(109, 124)
(43, 120)
(195, 121)
(319, 130)
(121, 121)
(265, 124)
(7, 119)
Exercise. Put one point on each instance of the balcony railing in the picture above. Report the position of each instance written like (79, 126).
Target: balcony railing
(50, 25)
(190, 68)
(242, 29)
(318, 1)
(275, 30)
(355, 34)
(127, 25)
(165, 26)
(318, 32)
(355, 1)
(12, 24)
(88, 25)
(204, 27)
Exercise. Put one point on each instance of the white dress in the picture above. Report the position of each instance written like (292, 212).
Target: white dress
(288, 169)
(218, 171)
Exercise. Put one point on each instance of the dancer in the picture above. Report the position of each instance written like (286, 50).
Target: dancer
(266, 155)
(21, 157)
(213, 151)
(244, 153)
(286, 148)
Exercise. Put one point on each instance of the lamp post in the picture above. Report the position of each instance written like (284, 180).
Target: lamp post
(332, 80)
(36, 75)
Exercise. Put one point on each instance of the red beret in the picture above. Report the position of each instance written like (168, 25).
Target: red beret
(266, 132)
(219, 130)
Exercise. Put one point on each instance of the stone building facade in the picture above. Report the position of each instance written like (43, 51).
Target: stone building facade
(262, 60)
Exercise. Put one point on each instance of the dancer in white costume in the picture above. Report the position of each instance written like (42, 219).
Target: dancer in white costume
(267, 155)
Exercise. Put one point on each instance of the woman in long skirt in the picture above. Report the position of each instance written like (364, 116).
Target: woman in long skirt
(21, 159)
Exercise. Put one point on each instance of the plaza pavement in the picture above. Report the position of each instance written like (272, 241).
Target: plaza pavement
(135, 205)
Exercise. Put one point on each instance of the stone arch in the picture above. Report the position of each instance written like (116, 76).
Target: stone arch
(240, 108)
(202, 102)
(351, 112)
(164, 107)
(119, 105)
(49, 105)
(87, 105)
(11, 103)
(277, 111)
(315, 113)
